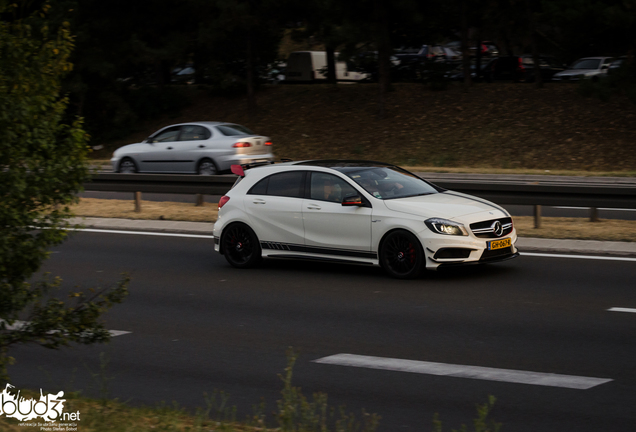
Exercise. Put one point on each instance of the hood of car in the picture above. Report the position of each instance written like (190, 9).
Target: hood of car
(449, 205)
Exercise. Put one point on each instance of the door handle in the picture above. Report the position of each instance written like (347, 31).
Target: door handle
(169, 148)
(313, 207)
(259, 201)
(201, 146)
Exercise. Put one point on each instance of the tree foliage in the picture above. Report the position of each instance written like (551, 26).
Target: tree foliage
(42, 167)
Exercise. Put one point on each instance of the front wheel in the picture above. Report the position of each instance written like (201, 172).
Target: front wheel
(128, 166)
(401, 255)
(207, 167)
(240, 246)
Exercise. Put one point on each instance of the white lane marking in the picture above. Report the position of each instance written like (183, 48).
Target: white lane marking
(592, 257)
(150, 233)
(17, 325)
(587, 208)
(620, 309)
(463, 371)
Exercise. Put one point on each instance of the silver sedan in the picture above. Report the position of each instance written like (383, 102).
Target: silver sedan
(206, 148)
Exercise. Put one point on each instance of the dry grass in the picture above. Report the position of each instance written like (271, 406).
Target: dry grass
(577, 228)
(150, 210)
(556, 228)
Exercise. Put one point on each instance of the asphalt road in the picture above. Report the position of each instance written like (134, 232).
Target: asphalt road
(197, 325)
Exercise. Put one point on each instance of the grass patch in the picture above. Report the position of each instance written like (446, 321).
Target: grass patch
(576, 228)
(150, 210)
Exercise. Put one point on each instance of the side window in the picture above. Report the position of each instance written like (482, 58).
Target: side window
(166, 135)
(289, 184)
(328, 187)
(259, 188)
(194, 133)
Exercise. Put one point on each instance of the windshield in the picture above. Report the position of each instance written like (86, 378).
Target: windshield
(388, 182)
(586, 64)
(234, 129)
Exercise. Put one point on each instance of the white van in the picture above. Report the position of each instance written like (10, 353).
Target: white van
(309, 66)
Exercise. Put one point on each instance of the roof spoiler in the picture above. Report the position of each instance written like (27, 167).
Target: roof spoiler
(239, 170)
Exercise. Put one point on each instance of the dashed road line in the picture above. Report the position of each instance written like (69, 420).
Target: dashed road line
(622, 309)
(464, 371)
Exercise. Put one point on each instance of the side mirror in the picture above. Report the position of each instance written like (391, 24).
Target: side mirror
(352, 201)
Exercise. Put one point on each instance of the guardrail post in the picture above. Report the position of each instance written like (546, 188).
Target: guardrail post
(594, 214)
(537, 216)
(199, 200)
(138, 202)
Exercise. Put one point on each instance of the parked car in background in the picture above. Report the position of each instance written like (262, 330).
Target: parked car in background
(205, 148)
(436, 53)
(357, 212)
(309, 66)
(522, 68)
(588, 67)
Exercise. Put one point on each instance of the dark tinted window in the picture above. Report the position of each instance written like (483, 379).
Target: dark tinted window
(259, 188)
(289, 184)
(194, 133)
(233, 129)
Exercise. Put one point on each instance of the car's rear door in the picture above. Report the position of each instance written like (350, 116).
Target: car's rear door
(330, 227)
(274, 205)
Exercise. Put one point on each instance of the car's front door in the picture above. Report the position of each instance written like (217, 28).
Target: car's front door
(159, 154)
(331, 227)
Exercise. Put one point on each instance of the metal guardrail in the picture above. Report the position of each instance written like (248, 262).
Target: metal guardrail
(537, 194)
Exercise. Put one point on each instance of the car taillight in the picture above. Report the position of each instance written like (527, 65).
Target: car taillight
(520, 67)
(224, 199)
(242, 144)
(268, 143)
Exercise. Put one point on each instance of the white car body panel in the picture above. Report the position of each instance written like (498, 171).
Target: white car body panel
(352, 233)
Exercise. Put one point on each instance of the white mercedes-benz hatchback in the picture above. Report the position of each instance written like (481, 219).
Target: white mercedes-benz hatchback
(359, 212)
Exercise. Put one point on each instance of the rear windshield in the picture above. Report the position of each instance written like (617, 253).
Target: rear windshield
(233, 129)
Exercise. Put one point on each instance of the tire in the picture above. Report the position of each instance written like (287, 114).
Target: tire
(401, 255)
(241, 246)
(207, 167)
(127, 166)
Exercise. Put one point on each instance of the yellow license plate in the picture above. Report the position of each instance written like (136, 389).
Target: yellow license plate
(499, 244)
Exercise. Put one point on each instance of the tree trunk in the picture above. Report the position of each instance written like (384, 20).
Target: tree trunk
(384, 55)
(465, 47)
(535, 44)
(331, 64)
(249, 76)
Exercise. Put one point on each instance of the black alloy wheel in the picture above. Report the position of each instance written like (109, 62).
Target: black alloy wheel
(401, 255)
(240, 246)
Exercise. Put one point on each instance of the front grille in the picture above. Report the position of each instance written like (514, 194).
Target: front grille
(497, 253)
(485, 229)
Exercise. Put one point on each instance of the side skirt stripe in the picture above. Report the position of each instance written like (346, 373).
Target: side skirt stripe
(318, 250)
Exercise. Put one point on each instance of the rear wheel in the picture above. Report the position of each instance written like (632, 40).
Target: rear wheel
(401, 255)
(207, 167)
(128, 166)
(240, 246)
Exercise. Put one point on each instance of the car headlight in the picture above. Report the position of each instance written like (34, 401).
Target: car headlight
(445, 226)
